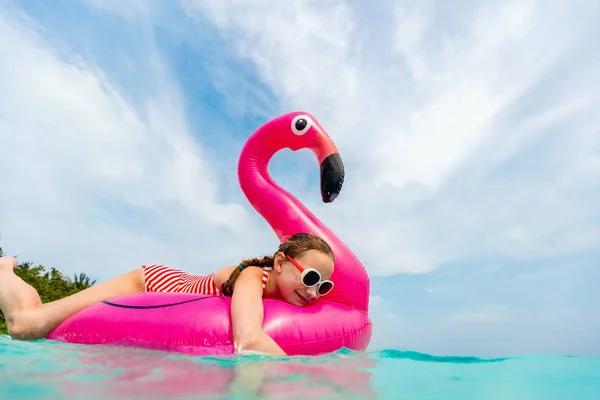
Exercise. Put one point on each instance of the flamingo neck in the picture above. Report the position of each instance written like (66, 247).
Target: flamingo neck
(275, 204)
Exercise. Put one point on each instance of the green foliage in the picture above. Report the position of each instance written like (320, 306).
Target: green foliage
(51, 285)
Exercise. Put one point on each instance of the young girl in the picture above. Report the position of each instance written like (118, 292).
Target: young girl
(298, 273)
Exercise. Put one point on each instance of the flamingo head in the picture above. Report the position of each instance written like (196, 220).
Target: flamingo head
(302, 131)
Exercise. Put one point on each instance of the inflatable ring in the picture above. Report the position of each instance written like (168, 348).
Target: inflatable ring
(201, 325)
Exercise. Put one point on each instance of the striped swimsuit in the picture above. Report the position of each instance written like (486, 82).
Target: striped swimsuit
(161, 278)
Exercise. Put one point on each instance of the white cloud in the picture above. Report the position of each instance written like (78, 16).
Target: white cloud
(427, 107)
(75, 154)
(433, 113)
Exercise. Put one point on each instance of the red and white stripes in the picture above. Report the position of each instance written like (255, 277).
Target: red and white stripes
(265, 277)
(160, 278)
(199, 284)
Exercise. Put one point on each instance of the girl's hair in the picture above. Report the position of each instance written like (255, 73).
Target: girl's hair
(292, 247)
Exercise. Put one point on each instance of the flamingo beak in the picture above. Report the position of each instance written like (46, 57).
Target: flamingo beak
(332, 177)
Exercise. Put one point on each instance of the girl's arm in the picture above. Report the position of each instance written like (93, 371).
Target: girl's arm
(247, 313)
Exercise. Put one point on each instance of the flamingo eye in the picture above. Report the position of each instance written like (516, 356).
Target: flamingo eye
(301, 124)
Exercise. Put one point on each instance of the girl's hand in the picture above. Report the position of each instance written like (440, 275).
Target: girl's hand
(247, 315)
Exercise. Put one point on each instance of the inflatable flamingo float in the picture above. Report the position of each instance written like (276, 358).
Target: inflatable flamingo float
(200, 324)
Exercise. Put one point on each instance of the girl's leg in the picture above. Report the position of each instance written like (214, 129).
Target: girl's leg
(27, 318)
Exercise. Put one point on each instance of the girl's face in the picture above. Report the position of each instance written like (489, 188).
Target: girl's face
(289, 277)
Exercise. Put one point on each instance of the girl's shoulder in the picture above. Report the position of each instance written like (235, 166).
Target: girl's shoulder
(261, 273)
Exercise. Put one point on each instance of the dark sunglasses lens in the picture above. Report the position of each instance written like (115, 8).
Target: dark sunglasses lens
(325, 288)
(311, 278)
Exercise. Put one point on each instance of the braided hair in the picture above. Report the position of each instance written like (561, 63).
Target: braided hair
(292, 247)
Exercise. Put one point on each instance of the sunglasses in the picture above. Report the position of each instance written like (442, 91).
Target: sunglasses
(312, 277)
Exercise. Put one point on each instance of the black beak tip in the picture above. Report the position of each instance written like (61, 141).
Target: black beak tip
(330, 197)
(332, 177)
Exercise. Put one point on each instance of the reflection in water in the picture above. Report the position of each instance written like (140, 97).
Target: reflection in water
(48, 371)
(119, 373)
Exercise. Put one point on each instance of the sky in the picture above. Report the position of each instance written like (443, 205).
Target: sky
(470, 134)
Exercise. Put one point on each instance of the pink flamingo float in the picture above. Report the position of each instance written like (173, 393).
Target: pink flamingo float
(201, 325)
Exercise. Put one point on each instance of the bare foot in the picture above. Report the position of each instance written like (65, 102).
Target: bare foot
(16, 296)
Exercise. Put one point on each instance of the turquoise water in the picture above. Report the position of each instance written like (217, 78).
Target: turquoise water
(48, 370)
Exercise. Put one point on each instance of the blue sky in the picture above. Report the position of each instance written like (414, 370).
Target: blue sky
(470, 135)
